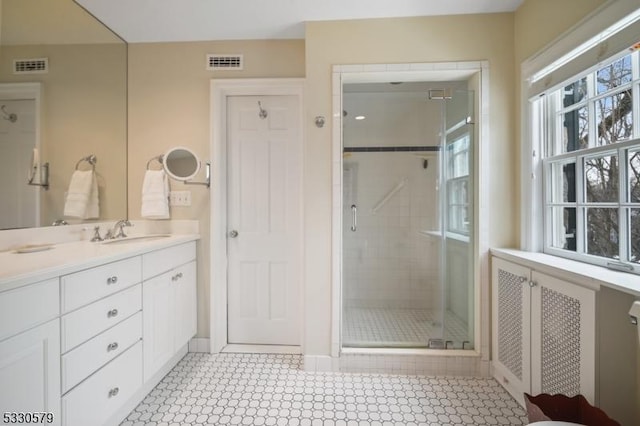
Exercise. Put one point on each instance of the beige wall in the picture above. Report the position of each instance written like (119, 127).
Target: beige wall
(84, 112)
(169, 106)
(50, 22)
(402, 40)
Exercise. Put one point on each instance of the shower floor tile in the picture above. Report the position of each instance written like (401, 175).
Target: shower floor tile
(396, 327)
(272, 389)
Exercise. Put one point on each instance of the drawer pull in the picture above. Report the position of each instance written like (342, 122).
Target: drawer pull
(112, 346)
(112, 280)
(113, 392)
(112, 313)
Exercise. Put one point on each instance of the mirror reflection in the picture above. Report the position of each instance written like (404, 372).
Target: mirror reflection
(73, 70)
(181, 163)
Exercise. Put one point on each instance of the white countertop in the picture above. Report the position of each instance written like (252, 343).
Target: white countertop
(18, 269)
(580, 273)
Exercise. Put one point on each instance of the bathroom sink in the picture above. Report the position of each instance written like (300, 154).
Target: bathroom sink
(136, 239)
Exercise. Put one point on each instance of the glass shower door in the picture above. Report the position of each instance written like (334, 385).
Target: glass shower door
(457, 226)
(407, 264)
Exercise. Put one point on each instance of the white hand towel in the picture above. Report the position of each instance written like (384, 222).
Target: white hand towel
(82, 196)
(155, 195)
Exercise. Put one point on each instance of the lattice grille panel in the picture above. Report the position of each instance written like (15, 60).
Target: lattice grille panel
(510, 321)
(560, 343)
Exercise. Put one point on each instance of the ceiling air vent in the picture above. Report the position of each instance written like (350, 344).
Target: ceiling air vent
(224, 62)
(31, 66)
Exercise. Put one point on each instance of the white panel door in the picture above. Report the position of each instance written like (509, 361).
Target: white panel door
(19, 208)
(264, 219)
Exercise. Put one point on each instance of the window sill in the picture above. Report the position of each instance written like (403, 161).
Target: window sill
(584, 274)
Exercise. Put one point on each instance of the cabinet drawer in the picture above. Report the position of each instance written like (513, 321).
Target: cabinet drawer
(28, 306)
(96, 399)
(81, 325)
(84, 287)
(160, 261)
(90, 356)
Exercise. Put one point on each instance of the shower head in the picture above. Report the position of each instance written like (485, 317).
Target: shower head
(10, 116)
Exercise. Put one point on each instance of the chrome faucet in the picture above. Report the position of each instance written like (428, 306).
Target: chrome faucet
(118, 230)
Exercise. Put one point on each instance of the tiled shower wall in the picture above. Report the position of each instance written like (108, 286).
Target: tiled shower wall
(391, 260)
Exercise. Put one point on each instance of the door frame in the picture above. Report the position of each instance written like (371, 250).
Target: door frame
(220, 90)
(480, 296)
(28, 91)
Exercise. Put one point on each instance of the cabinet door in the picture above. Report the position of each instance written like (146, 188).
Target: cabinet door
(511, 326)
(186, 306)
(30, 371)
(159, 319)
(563, 337)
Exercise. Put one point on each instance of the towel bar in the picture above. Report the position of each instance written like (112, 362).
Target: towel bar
(91, 159)
(158, 158)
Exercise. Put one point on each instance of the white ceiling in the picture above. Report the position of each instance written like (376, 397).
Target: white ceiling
(191, 20)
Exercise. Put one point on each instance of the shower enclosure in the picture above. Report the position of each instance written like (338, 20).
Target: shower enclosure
(407, 184)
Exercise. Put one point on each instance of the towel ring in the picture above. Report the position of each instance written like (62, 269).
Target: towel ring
(158, 158)
(91, 159)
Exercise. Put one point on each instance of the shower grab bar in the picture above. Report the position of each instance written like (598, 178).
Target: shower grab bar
(354, 217)
(387, 197)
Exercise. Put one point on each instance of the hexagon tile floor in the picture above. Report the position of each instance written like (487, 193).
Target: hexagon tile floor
(261, 389)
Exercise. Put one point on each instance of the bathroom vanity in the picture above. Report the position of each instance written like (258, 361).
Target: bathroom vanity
(88, 329)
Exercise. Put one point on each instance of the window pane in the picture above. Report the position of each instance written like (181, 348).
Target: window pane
(602, 232)
(458, 159)
(614, 75)
(634, 176)
(601, 179)
(574, 92)
(563, 182)
(576, 132)
(563, 228)
(614, 118)
(634, 241)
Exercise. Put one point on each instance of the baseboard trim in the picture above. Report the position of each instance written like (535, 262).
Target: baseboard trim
(261, 349)
(200, 344)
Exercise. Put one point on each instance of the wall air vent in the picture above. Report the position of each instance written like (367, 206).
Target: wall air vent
(31, 66)
(217, 62)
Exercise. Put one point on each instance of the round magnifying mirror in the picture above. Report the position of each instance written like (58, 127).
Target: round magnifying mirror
(181, 163)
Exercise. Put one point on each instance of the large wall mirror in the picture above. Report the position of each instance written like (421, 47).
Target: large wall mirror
(82, 110)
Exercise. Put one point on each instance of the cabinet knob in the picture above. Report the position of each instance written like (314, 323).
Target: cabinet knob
(523, 280)
(112, 346)
(532, 284)
(112, 313)
(176, 277)
(113, 392)
(233, 233)
(112, 280)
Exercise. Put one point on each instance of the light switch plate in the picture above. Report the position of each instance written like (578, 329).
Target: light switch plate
(180, 198)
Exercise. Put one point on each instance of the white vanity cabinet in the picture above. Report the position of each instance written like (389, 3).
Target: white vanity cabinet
(544, 332)
(30, 350)
(101, 337)
(87, 341)
(169, 304)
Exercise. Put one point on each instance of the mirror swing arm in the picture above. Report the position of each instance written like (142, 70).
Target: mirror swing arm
(207, 181)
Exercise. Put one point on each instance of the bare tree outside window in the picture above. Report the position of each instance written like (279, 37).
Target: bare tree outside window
(610, 103)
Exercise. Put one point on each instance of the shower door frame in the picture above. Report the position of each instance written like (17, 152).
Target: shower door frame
(416, 72)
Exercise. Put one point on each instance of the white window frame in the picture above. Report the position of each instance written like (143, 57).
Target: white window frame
(533, 114)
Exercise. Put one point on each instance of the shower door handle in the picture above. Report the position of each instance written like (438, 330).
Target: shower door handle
(354, 217)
